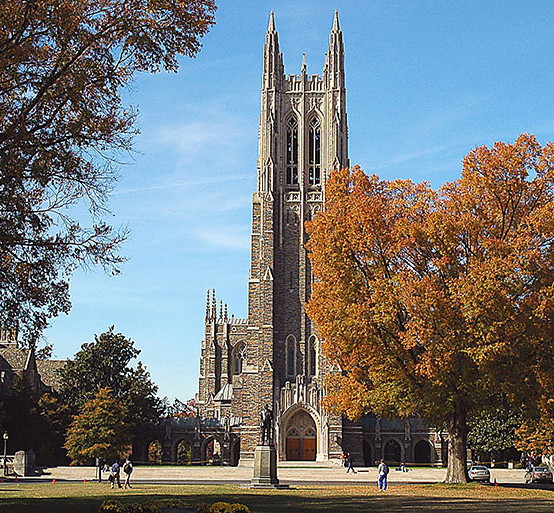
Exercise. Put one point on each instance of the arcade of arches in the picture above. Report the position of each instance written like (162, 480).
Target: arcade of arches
(301, 440)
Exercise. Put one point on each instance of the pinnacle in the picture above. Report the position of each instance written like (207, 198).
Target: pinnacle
(336, 27)
(271, 27)
(303, 68)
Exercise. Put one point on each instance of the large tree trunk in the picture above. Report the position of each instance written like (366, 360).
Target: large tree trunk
(457, 448)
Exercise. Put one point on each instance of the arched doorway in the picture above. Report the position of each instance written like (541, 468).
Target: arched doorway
(235, 453)
(301, 439)
(393, 453)
(368, 454)
(155, 452)
(212, 452)
(422, 452)
(184, 453)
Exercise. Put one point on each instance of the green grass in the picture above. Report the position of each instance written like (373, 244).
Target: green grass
(85, 498)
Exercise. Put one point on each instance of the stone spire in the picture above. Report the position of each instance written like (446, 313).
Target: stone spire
(273, 60)
(303, 67)
(336, 27)
(336, 56)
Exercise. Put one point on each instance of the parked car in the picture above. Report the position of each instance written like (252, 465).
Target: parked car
(479, 473)
(538, 475)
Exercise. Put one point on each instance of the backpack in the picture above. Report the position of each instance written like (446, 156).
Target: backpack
(385, 470)
(127, 468)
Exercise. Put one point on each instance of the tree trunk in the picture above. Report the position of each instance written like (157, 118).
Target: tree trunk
(457, 448)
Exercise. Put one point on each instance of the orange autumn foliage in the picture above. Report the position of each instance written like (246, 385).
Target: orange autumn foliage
(433, 302)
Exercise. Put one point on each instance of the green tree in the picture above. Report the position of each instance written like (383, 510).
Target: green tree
(431, 301)
(20, 416)
(99, 431)
(106, 363)
(63, 130)
(493, 429)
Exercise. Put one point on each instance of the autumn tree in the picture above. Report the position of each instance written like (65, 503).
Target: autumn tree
(107, 362)
(99, 431)
(64, 129)
(179, 409)
(433, 302)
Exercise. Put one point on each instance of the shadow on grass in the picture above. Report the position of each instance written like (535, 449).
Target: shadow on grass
(293, 502)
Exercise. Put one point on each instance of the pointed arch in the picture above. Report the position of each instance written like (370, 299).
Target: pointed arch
(314, 151)
(290, 356)
(291, 151)
(312, 356)
(238, 357)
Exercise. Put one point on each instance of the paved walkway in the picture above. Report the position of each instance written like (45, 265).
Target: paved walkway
(290, 474)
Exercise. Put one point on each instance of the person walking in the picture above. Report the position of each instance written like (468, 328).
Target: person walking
(128, 470)
(350, 463)
(383, 471)
(116, 469)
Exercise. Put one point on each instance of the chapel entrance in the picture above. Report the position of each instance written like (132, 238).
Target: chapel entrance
(301, 437)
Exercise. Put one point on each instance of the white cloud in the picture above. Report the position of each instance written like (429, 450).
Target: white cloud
(229, 237)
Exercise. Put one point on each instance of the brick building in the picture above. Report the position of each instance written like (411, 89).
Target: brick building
(274, 356)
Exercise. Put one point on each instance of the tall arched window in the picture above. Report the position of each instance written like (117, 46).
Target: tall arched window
(239, 356)
(290, 349)
(292, 152)
(312, 356)
(314, 153)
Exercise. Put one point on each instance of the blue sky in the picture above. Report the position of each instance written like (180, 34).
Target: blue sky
(427, 81)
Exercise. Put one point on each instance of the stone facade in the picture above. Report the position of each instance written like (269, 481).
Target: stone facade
(274, 356)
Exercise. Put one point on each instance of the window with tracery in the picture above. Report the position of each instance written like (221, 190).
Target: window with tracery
(292, 152)
(314, 153)
(239, 357)
(291, 356)
(312, 356)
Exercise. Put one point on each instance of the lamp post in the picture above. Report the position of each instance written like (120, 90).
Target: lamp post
(6, 436)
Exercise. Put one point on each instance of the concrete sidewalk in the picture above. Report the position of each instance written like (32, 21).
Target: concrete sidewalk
(289, 474)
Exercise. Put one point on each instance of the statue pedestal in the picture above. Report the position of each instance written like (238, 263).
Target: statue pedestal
(265, 468)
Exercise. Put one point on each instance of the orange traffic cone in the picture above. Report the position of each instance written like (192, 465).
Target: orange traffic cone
(53, 481)
(85, 481)
(495, 483)
(16, 477)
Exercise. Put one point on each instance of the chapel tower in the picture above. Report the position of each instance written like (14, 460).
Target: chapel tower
(303, 137)
(274, 356)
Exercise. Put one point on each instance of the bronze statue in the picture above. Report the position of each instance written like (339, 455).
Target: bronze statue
(266, 424)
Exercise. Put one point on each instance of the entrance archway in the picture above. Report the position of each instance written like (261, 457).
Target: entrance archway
(301, 438)
(393, 453)
(368, 454)
(155, 452)
(422, 452)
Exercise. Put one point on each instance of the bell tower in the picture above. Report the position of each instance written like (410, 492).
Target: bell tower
(303, 137)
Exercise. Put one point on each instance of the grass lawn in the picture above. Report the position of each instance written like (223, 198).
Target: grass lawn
(86, 498)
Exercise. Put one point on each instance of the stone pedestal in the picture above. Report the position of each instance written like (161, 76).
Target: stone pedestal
(265, 467)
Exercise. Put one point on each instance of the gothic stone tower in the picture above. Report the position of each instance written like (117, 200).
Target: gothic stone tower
(302, 138)
(274, 356)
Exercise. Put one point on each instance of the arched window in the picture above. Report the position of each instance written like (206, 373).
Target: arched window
(312, 356)
(239, 356)
(290, 348)
(292, 152)
(314, 153)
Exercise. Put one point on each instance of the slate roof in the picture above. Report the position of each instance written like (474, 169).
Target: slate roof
(13, 356)
(48, 370)
(225, 394)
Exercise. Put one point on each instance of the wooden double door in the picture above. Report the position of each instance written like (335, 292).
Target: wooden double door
(301, 449)
(301, 441)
